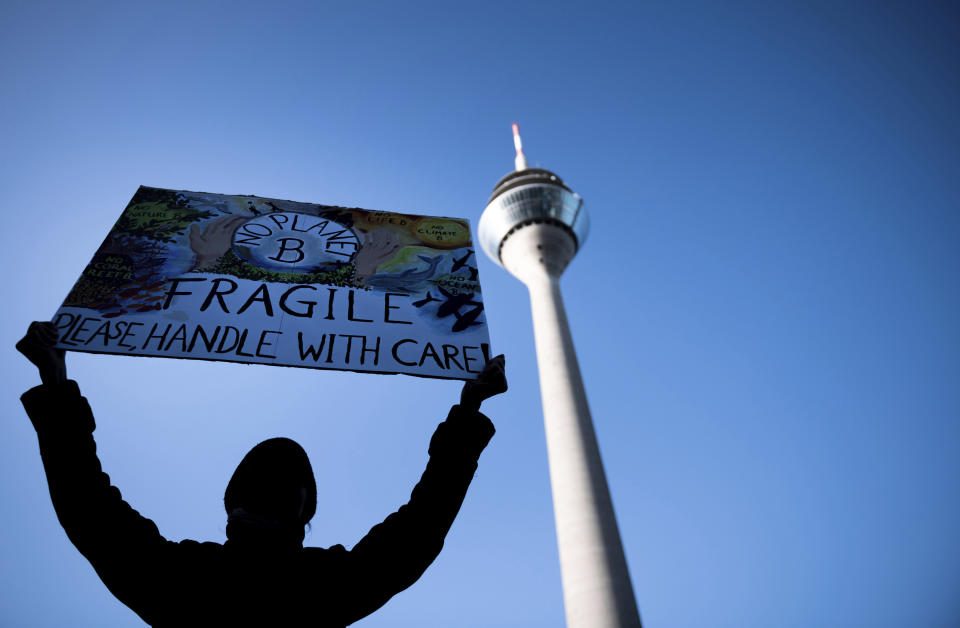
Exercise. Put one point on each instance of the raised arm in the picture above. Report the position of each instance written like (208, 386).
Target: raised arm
(121, 545)
(395, 553)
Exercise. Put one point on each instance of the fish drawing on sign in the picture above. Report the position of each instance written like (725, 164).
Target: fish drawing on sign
(468, 319)
(454, 302)
(460, 263)
(409, 277)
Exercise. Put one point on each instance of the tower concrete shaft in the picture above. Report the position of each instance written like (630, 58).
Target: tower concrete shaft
(597, 591)
(533, 226)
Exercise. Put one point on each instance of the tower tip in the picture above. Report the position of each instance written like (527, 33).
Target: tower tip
(520, 161)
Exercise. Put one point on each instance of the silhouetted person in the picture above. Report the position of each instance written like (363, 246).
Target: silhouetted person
(262, 575)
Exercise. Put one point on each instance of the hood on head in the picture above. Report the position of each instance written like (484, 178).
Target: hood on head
(268, 480)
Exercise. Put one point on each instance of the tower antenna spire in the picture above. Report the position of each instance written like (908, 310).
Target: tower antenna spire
(520, 161)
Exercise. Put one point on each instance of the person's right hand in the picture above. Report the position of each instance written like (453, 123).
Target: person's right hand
(38, 347)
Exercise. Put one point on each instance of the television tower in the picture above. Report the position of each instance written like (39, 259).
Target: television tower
(533, 226)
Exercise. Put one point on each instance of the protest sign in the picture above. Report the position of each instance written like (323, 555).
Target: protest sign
(248, 279)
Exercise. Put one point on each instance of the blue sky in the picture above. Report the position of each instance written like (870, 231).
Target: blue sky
(765, 311)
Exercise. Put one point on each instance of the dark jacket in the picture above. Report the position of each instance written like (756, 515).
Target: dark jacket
(247, 580)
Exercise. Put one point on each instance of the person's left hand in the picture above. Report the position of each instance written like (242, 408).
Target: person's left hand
(491, 381)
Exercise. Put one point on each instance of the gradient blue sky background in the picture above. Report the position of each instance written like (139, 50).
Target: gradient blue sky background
(766, 311)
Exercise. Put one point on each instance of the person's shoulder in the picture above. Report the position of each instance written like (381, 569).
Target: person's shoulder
(329, 552)
(198, 547)
(192, 543)
(330, 556)
(196, 556)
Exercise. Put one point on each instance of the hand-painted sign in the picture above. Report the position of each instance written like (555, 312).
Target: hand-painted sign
(247, 279)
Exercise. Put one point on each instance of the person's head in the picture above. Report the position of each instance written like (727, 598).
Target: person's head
(274, 481)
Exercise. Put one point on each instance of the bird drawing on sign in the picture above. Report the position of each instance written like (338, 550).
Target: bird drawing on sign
(460, 263)
(454, 302)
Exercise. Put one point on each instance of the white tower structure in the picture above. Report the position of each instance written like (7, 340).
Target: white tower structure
(533, 226)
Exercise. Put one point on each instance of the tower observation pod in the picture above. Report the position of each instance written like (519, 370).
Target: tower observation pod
(533, 225)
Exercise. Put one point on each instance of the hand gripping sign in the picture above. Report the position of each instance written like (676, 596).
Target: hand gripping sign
(247, 279)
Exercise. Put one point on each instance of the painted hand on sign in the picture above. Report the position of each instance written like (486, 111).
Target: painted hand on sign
(214, 241)
(379, 246)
